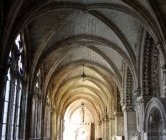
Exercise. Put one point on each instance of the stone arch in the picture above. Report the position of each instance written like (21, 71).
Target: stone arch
(41, 9)
(155, 119)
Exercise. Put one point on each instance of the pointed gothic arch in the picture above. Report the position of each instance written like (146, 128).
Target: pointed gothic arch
(155, 119)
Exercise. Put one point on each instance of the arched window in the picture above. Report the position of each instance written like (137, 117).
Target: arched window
(13, 91)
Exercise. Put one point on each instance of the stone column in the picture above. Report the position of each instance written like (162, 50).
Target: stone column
(61, 130)
(106, 128)
(110, 129)
(140, 102)
(102, 131)
(99, 129)
(53, 125)
(129, 122)
(119, 124)
(139, 108)
(111, 123)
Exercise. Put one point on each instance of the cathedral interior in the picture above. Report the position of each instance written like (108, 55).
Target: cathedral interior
(83, 70)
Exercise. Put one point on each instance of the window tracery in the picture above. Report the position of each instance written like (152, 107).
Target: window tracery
(13, 91)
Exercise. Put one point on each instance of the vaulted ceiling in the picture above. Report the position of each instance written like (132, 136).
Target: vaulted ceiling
(99, 36)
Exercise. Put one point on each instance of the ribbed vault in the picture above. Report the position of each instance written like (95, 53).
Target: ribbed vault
(82, 48)
(86, 66)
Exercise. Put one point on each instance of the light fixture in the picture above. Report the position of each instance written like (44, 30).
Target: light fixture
(83, 76)
(83, 73)
(83, 112)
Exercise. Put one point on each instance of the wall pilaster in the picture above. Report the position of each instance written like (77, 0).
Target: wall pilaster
(129, 122)
(119, 124)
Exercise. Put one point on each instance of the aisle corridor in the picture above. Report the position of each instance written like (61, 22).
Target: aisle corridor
(82, 70)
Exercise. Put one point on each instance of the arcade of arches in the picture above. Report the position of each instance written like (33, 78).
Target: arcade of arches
(83, 70)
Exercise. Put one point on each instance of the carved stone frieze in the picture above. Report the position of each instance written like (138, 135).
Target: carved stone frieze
(129, 89)
(151, 73)
(117, 104)
(128, 104)
(164, 73)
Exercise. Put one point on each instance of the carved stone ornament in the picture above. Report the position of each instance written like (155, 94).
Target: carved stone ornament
(111, 115)
(129, 88)
(151, 72)
(137, 92)
(164, 73)
(122, 103)
(164, 68)
(129, 108)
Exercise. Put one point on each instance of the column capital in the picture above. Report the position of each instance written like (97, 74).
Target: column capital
(144, 99)
(111, 118)
(122, 103)
(127, 108)
(139, 100)
(163, 68)
(163, 90)
(118, 113)
(111, 114)
(105, 119)
(164, 132)
(99, 122)
(53, 109)
(137, 92)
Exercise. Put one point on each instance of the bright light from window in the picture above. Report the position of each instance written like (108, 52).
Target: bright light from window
(17, 40)
(82, 135)
(75, 128)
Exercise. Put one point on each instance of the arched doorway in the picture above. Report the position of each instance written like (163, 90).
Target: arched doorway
(79, 121)
(155, 119)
